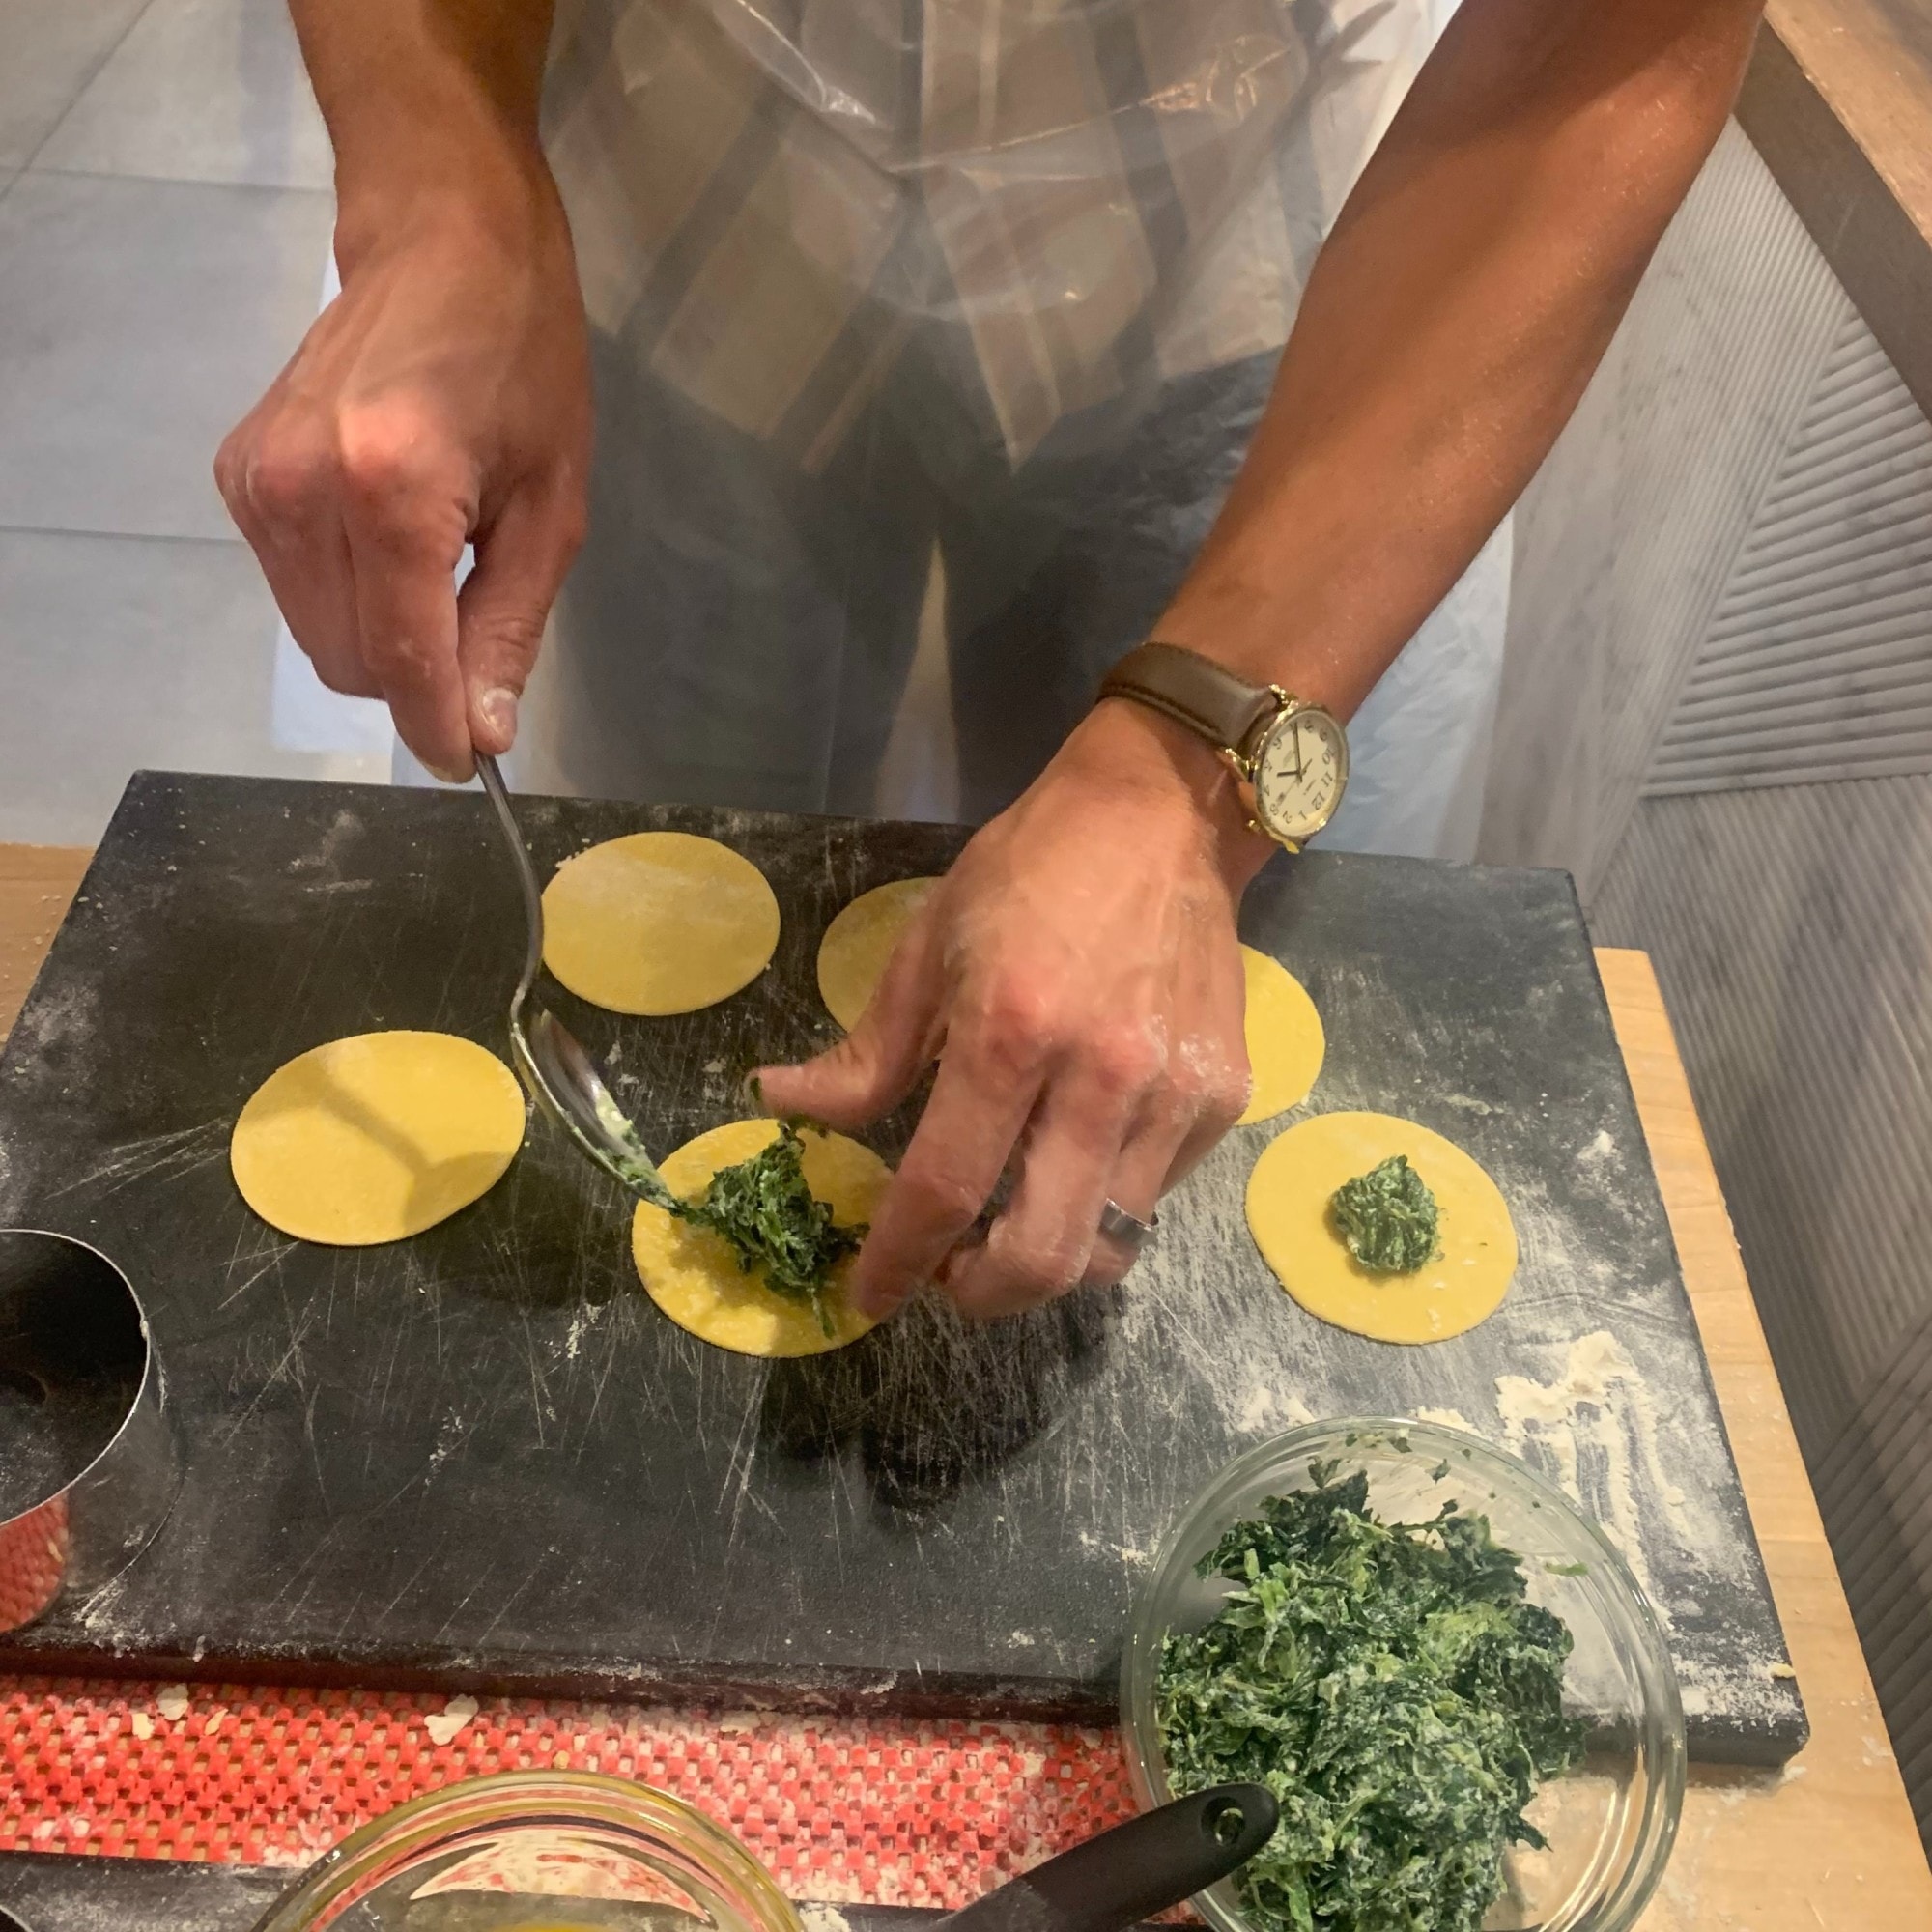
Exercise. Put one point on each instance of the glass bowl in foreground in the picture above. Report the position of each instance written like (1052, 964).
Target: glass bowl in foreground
(1611, 1821)
(537, 1851)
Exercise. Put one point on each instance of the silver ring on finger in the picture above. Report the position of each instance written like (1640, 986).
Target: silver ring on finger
(1126, 1231)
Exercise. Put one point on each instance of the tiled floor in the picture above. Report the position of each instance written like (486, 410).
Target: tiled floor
(164, 221)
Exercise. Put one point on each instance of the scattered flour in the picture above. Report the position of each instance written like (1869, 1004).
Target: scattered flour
(1264, 1411)
(171, 1701)
(1741, 1689)
(455, 1716)
(1596, 1411)
(447, 1437)
(326, 854)
(815, 1917)
(1446, 1418)
(1128, 1552)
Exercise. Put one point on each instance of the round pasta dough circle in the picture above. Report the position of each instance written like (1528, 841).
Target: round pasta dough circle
(857, 944)
(376, 1137)
(658, 923)
(1286, 1043)
(1288, 1213)
(693, 1274)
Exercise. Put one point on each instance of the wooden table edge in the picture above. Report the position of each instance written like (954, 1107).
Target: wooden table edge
(37, 884)
(1837, 101)
(1829, 1841)
(1836, 1822)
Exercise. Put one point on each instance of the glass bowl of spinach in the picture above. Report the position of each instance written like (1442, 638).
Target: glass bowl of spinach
(1444, 1669)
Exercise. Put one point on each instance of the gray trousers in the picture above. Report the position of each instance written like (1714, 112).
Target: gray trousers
(736, 632)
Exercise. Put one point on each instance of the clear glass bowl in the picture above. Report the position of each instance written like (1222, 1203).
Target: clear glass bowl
(537, 1851)
(1611, 1823)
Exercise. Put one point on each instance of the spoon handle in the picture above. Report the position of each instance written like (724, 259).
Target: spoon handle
(1126, 1874)
(526, 877)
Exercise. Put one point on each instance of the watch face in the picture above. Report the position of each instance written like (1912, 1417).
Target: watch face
(1299, 772)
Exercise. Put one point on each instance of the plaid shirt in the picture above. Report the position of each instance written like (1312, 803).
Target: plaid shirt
(771, 197)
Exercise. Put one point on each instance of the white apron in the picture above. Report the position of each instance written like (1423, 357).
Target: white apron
(874, 280)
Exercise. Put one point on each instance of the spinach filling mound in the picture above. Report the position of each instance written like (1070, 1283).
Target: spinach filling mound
(766, 1209)
(1393, 1688)
(1388, 1217)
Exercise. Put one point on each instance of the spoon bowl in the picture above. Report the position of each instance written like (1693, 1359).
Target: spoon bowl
(562, 1078)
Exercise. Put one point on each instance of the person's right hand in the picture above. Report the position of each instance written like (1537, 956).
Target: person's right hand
(442, 398)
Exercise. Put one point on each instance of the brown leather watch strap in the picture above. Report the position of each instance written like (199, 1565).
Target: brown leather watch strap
(1193, 690)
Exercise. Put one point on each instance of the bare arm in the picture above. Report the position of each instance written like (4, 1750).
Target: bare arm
(1451, 321)
(408, 85)
(1079, 965)
(443, 398)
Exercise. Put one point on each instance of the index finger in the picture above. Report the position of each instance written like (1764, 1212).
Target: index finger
(882, 1058)
(405, 541)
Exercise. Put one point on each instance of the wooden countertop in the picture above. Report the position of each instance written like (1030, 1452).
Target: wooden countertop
(36, 884)
(1828, 1841)
(1838, 102)
(1825, 1845)
(1872, 61)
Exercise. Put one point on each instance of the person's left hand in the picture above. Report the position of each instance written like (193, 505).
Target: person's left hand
(1077, 977)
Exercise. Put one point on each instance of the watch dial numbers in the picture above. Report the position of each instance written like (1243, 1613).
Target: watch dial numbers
(1300, 777)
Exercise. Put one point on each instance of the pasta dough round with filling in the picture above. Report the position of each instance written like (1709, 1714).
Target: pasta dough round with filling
(659, 923)
(693, 1273)
(1288, 1213)
(375, 1137)
(852, 955)
(1286, 1043)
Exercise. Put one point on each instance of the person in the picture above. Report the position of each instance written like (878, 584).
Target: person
(855, 282)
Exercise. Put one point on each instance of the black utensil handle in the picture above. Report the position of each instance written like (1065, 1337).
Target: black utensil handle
(1133, 1870)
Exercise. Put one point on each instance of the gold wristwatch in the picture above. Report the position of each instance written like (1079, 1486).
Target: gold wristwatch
(1289, 758)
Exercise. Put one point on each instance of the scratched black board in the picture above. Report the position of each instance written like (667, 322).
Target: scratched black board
(482, 1460)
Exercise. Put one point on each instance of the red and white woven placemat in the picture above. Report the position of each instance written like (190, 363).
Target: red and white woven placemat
(842, 1810)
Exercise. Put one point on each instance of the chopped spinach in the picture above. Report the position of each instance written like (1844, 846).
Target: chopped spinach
(766, 1209)
(1388, 1217)
(1394, 1689)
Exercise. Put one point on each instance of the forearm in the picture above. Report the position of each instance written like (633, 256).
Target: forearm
(427, 101)
(1470, 287)
(442, 400)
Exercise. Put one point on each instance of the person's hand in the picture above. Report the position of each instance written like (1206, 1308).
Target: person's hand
(442, 398)
(1078, 978)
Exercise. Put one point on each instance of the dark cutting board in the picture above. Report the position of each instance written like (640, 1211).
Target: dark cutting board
(481, 1459)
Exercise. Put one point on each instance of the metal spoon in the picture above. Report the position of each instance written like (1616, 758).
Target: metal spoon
(562, 1078)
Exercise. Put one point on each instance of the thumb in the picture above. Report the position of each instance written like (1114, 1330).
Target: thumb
(500, 612)
(881, 1059)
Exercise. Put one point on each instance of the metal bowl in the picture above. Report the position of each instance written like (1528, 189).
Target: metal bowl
(1611, 1821)
(88, 1466)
